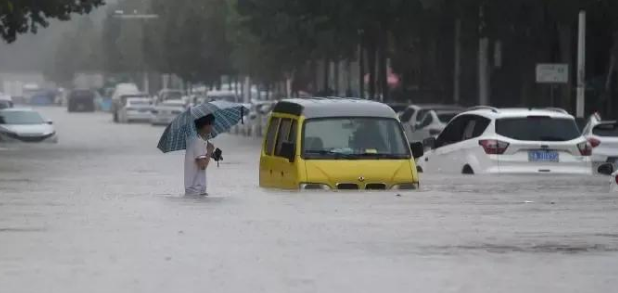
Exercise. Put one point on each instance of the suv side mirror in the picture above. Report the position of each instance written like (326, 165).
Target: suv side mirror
(606, 169)
(49, 122)
(430, 143)
(288, 151)
(417, 149)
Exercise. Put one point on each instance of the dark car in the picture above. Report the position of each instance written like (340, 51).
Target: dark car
(81, 101)
(5, 104)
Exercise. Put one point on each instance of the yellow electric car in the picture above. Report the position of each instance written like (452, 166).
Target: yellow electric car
(337, 144)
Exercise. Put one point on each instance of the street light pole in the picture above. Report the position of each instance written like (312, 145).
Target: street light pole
(581, 66)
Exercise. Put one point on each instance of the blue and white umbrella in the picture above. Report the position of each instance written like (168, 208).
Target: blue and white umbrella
(182, 128)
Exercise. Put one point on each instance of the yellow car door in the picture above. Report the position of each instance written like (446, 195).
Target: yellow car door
(285, 174)
(267, 161)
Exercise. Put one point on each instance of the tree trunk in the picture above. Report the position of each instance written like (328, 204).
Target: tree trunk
(348, 69)
(336, 77)
(371, 58)
(383, 70)
(457, 66)
(326, 87)
(566, 54)
(361, 61)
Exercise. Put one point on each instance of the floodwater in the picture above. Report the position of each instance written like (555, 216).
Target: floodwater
(102, 212)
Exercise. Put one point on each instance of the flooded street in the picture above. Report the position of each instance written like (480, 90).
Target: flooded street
(103, 211)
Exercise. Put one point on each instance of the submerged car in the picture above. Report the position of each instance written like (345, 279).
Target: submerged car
(25, 125)
(432, 124)
(413, 115)
(337, 144)
(136, 109)
(164, 113)
(490, 141)
(603, 137)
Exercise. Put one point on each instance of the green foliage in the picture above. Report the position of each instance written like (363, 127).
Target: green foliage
(22, 16)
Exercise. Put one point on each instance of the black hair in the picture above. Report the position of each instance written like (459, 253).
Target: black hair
(206, 120)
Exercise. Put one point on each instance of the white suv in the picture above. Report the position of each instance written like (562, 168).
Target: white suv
(487, 140)
(603, 137)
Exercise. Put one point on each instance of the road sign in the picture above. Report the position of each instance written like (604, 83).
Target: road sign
(552, 73)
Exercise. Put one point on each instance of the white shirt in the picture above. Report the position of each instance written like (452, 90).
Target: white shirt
(195, 177)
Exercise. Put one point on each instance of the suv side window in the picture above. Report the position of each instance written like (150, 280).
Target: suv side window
(453, 133)
(283, 136)
(271, 135)
(475, 127)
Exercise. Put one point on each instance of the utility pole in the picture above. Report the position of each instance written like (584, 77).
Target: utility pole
(581, 66)
(483, 59)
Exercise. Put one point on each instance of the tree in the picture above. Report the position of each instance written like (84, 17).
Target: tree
(18, 17)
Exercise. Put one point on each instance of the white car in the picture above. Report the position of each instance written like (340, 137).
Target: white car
(518, 141)
(603, 137)
(412, 116)
(25, 125)
(432, 124)
(121, 91)
(136, 110)
(166, 112)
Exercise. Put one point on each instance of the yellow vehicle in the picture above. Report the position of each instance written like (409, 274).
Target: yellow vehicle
(337, 144)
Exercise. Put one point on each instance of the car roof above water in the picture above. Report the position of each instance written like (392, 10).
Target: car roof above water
(496, 113)
(334, 107)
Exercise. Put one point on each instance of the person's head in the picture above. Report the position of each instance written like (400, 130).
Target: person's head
(204, 125)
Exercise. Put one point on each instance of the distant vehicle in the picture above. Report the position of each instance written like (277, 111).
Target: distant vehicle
(261, 109)
(5, 102)
(222, 95)
(43, 98)
(489, 141)
(135, 109)
(25, 125)
(122, 90)
(412, 116)
(603, 137)
(81, 101)
(164, 113)
(432, 124)
(30, 90)
(337, 144)
(169, 94)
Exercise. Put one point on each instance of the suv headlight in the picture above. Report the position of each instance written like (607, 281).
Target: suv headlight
(314, 186)
(405, 186)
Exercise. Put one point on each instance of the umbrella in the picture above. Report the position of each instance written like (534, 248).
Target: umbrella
(226, 114)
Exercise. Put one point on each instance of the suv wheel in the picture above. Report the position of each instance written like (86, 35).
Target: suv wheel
(467, 170)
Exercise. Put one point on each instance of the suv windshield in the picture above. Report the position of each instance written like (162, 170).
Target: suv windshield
(20, 118)
(542, 128)
(354, 138)
(606, 129)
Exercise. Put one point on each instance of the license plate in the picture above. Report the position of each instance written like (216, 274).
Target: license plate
(143, 110)
(543, 156)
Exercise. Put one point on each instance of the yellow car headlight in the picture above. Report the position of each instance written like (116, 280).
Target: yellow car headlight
(405, 186)
(314, 186)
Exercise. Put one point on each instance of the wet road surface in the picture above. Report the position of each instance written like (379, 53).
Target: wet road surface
(102, 212)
